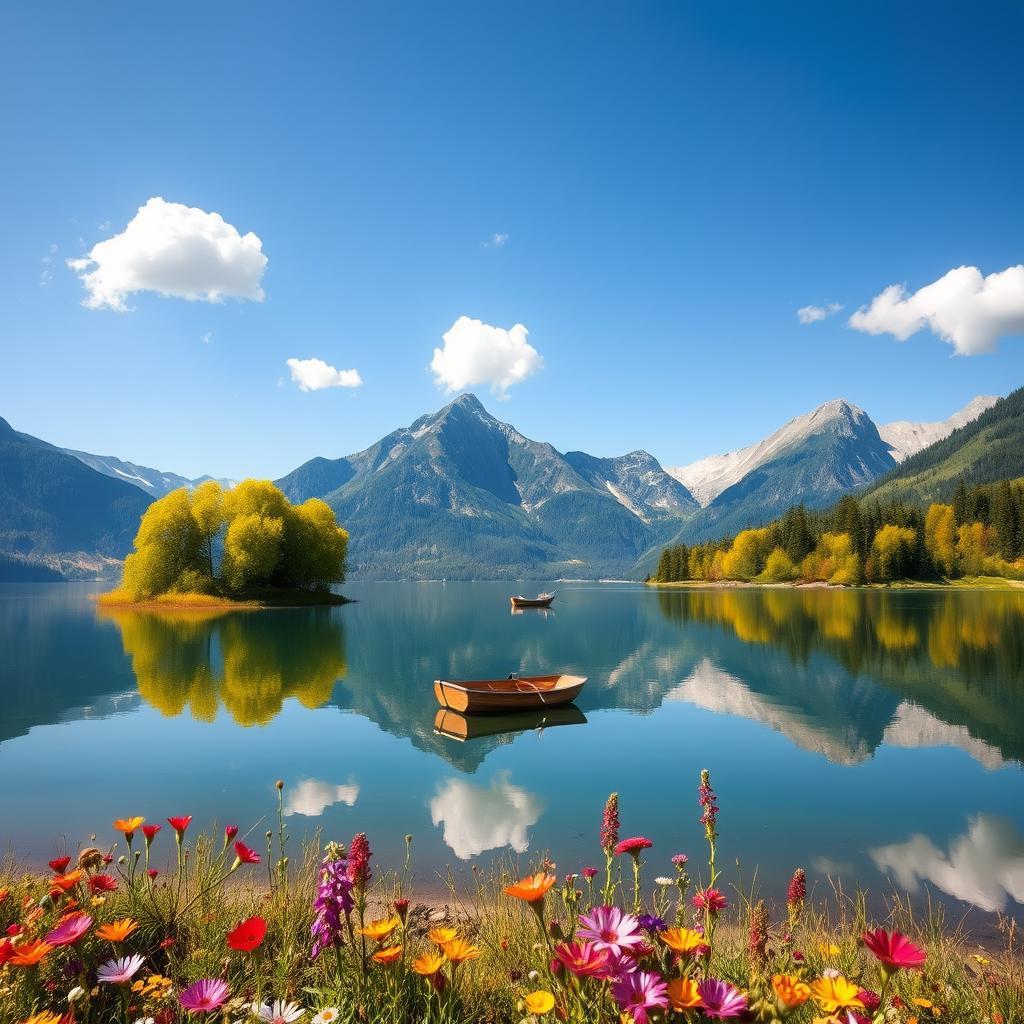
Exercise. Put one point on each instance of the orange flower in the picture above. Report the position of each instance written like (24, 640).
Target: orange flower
(682, 993)
(30, 953)
(682, 940)
(834, 994)
(439, 936)
(790, 991)
(428, 964)
(379, 929)
(388, 955)
(459, 950)
(531, 888)
(68, 881)
(117, 931)
(128, 825)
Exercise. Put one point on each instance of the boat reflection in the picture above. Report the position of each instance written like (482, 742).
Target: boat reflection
(470, 727)
(544, 613)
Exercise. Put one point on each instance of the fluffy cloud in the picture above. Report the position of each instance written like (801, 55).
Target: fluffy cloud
(477, 353)
(481, 818)
(970, 311)
(173, 250)
(812, 314)
(315, 374)
(985, 866)
(311, 797)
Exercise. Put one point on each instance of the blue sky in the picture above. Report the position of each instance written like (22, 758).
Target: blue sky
(674, 180)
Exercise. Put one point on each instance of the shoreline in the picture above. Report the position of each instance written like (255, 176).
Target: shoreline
(987, 583)
(207, 602)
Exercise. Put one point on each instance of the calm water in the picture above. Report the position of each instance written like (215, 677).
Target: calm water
(878, 736)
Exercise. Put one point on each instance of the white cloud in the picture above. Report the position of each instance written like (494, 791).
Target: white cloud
(481, 818)
(207, 337)
(174, 250)
(968, 310)
(985, 866)
(497, 240)
(812, 314)
(477, 353)
(315, 374)
(311, 797)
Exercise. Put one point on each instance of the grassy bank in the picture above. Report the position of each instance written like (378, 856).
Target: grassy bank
(248, 600)
(223, 932)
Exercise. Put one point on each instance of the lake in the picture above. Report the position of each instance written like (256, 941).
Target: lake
(875, 736)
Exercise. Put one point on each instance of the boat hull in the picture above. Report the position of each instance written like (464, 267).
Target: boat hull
(531, 602)
(456, 726)
(495, 695)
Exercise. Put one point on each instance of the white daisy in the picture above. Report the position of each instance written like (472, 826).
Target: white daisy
(279, 1012)
(326, 1016)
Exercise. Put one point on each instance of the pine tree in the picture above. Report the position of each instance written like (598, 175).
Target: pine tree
(960, 503)
(664, 567)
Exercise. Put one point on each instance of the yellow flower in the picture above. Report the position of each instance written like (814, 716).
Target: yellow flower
(117, 931)
(683, 994)
(388, 955)
(829, 949)
(539, 1002)
(459, 950)
(981, 960)
(790, 991)
(380, 929)
(428, 964)
(925, 1004)
(439, 936)
(44, 1017)
(833, 994)
(129, 825)
(682, 940)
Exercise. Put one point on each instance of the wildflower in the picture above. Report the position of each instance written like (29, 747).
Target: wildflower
(128, 826)
(588, 873)
(894, 950)
(709, 899)
(983, 961)
(459, 950)
(230, 831)
(59, 865)
(683, 994)
(664, 881)
(203, 996)
(278, 1012)
(116, 972)
(152, 873)
(632, 846)
(871, 1000)
(180, 824)
(833, 994)
(359, 854)
(244, 855)
(757, 942)
(610, 824)
(379, 929)
(651, 924)
(75, 994)
(332, 905)
(583, 959)
(102, 883)
(248, 935)
(532, 888)
(539, 1003)
(327, 1015)
(637, 993)
(387, 955)
(684, 940)
(69, 930)
(401, 908)
(67, 882)
(720, 999)
(795, 896)
(44, 1017)
(439, 936)
(428, 964)
(117, 931)
(680, 859)
(790, 991)
(27, 954)
(610, 928)
(150, 831)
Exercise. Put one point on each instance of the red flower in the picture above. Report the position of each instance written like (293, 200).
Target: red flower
(149, 831)
(152, 872)
(230, 831)
(167, 943)
(6, 951)
(180, 824)
(401, 906)
(588, 872)
(246, 855)
(102, 883)
(632, 846)
(709, 899)
(894, 949)
(59, 865)
(248, 935)
(108, 858)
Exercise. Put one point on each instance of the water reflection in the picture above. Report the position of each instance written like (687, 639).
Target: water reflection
(249, 662)
(984, 866)
(470, 727)
(311, 797)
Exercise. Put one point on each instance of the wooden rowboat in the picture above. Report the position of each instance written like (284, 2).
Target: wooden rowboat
(540, 601)
(512, 694)
(454, 726)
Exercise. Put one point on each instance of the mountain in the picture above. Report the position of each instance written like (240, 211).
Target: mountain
(905, 438)
(984, 450)
(57, 510)
(461, 494)
(153, 482)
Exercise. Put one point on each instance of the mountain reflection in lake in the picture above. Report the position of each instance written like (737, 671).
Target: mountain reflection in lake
(876, 733)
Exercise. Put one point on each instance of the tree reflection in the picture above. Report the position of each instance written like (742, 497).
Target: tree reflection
(249, 662)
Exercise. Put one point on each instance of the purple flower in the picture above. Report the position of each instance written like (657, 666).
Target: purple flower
(203, 996)
(610, 928)
(117, 972)
(333, 903)
(70, 930)
(720, 999)
(640, 992)
(651, 924)
(618, 964)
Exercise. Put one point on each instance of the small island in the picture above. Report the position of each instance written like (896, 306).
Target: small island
(247, 548)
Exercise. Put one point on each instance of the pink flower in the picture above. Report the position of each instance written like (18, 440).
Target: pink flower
(117, 972)
(584, 959)
(230, 831)
(610, 824)
(588, 873)
(632, 846)
(359, 854)
(709, 899)
(894, 949)
(679, 859)
(70, 930)
(203, 996)
(610, 928)
(102, 883)
(637, 993)
(720, 999)
(620, 962)
(797, 892)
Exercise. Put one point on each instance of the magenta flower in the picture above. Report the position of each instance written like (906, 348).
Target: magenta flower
(588, 873)
(610, 824)
(70, 930)
(709, 899)
(117, 972)
(620, 962)
(203, 996)
(359, 854)
(679, 859)
(640, 992)
(632, 846)
(720, 999)
(894, 950)
(584, 959)
(610, 928)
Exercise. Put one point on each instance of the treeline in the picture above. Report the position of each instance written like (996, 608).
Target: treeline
(981, 532)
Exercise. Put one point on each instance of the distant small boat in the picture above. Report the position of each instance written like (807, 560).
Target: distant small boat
(470, 727)
(540, 601)
(513, 694)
